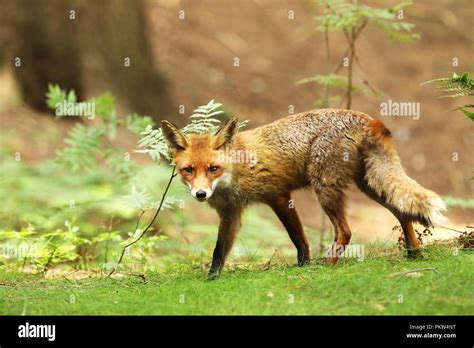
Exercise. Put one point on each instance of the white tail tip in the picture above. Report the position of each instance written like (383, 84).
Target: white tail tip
(436, 207)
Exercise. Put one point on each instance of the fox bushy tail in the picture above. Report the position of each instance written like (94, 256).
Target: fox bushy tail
(384, 179)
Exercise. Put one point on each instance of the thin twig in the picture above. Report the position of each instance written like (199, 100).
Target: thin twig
(452, 229)
(256, 250)
(351, 40)
(415, 270)
(327, 89)
(108, 240)
(131, 236)
(173, 175)
(139, 275)
(346, 53)
(267, 264)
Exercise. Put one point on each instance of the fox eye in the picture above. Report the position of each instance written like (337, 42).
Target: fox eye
(213, 169)
(188, 170)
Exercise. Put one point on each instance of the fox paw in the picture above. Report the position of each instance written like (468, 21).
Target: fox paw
(213, 275)
(414, 254)
(303, 262)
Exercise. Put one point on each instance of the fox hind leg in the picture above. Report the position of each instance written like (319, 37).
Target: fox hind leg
(332, 164)
(411, 242)
(332, 201)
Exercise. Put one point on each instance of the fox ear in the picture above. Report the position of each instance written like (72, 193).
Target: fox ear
(226, 134)
(174, 138)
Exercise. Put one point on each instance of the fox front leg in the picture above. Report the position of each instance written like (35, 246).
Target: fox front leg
(228, 228)
(289, 218)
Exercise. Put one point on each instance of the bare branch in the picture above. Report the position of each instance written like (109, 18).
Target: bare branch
(173, 175)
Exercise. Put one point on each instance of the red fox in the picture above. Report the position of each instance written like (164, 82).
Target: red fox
(322, 149)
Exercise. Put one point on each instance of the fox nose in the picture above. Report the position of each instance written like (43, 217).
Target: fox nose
(201, 194)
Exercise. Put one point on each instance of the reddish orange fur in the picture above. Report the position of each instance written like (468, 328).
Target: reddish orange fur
(199, 155)
(380, 132)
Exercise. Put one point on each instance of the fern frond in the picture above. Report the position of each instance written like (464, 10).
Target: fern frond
(465, 111)
(333, 80)
(120, 165)
(153, 144)
(456, 95)
(462, 84)
(203, 120)
(139, 199)
(83, 146)
(137, 123)
(56, 95)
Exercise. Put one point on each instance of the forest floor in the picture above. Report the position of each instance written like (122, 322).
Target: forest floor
(438, 284)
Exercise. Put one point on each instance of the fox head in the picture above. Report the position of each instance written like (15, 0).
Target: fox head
(201, 158)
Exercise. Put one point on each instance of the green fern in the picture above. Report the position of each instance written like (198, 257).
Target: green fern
(333, 80)
(170, 202)
(153, 144)
(137, 123)
(344, 15)
(351, 18)
(56, 95)
(142, 200)
(87, 143)
(83, 147)
(459, 202)
(457, 86)
(105, 109)
(116, 160)
(203, 120)
(139, 199)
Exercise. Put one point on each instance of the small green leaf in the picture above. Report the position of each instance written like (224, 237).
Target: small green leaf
(104, 105)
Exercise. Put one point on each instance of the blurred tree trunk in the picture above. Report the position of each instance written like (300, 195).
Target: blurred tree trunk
(42, 37)
(116, 30)
(88, 53)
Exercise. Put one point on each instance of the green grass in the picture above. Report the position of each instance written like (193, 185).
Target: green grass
(352, 287)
